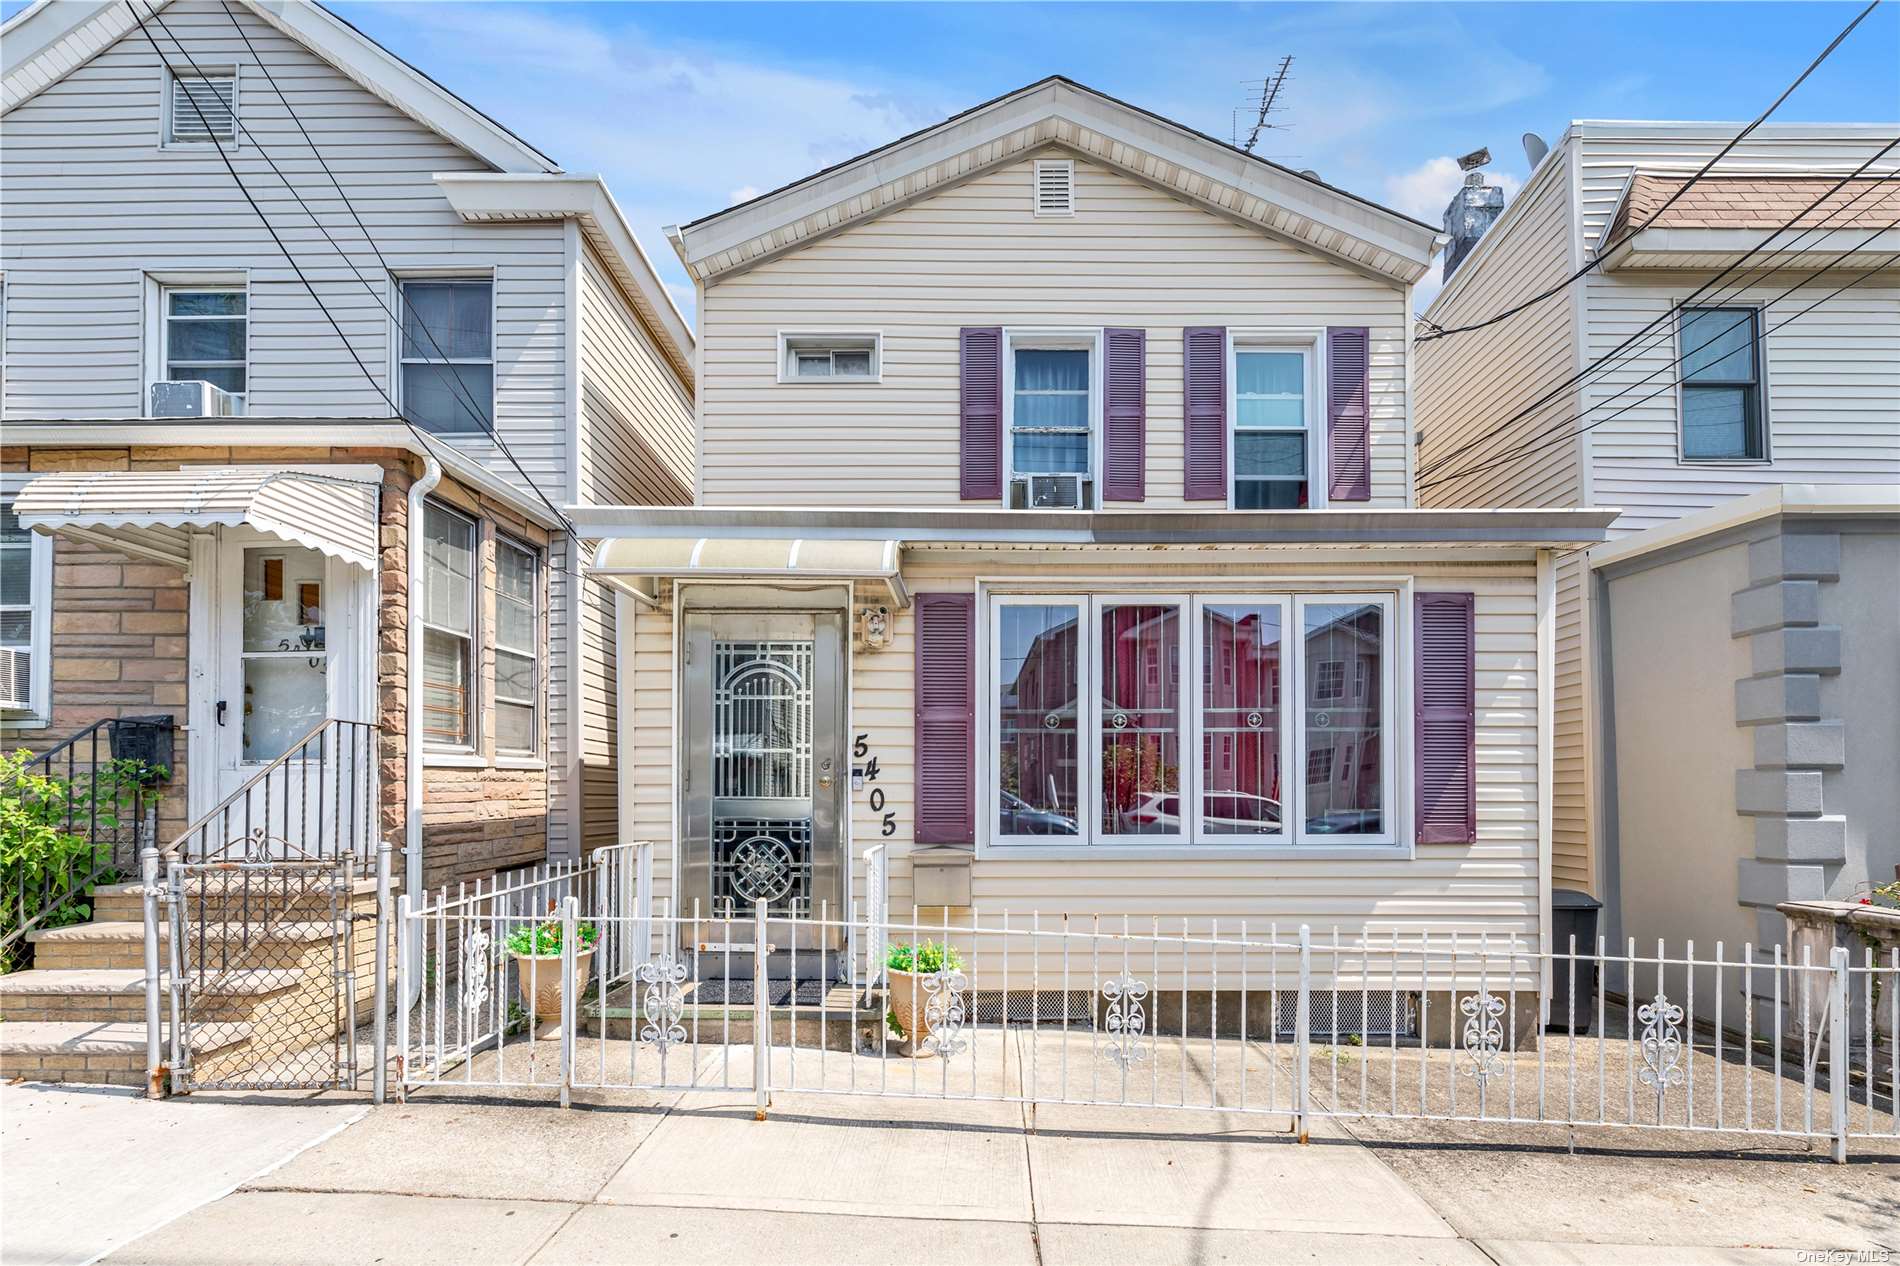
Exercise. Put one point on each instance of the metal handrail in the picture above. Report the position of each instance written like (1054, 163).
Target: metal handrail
(350, 808)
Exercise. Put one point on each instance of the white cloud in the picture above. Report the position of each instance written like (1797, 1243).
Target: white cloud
(1425, 191)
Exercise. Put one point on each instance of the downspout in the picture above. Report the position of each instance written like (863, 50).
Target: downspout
(412, 709)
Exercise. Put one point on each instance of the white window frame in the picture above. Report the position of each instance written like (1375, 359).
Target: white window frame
(168, 95)
(1030, 339)
(474, 744)
(537, 605)
(1293, 841)
(40, 631)
(160, 284)
(397, 360)
(791, 341)
(1684, 386)
(1311, 345)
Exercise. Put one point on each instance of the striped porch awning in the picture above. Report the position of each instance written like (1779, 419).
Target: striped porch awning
(152, 513)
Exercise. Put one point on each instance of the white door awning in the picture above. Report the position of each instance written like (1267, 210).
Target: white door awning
(153, 512)
(626, 562)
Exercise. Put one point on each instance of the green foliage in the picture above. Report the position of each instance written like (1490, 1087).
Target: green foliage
(925, 958)
(543, 940)
(890, 1018)
(40, 858)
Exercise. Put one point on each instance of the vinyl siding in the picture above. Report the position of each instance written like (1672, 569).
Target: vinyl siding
(94, 204)
(973, 254)
(1489, 886)
(636, 448)
(1467, 385)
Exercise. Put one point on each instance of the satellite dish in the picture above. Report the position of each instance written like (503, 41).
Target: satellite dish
(1534, 148)
(1309, 173)
(1474, 160)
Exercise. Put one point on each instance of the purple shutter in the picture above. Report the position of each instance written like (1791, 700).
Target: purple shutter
(1204, 373)
(980, 353)
(1125, 415)
(1447, 725)
(946, 718)
(1348, 413)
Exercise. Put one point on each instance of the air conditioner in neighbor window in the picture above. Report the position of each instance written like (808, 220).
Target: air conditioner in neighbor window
(194, 400)
(16, 678)
(1050, 492)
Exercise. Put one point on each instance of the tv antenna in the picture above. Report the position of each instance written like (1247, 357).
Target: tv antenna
(1268, 104)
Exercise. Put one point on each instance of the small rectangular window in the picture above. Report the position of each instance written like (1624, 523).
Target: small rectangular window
(1721, 385)
(207, 337)
(448, 627)
(1271, 428)
(1052, 411)
(517, 647)
(203, 108)
(809, 357)
(448, 354)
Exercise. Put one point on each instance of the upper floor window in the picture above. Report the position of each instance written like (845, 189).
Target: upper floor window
(449, 592)
(1273, 431)
(813, 357)
(1051, 409)
(201, 108)
(448, 354)
(206, 336)
(517, 647)
(1721, 385)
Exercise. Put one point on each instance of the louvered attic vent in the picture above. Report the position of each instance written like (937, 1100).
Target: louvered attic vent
(203, 109)
(1055, 186)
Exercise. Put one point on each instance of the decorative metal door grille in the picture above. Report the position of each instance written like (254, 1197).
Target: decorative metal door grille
(761, 859)
(762, 720)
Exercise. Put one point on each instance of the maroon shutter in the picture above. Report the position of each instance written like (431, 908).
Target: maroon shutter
(1446, 692)
(1348, 413)
(980, 352)
(1125, 415)
(946, 718)
(1204, 352)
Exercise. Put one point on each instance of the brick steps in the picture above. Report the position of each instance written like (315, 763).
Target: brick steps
(121, 943)
(114, 995)
(226, 897)
(89, 1051)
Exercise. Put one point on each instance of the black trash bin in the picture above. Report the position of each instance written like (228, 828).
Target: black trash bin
(1573, 913)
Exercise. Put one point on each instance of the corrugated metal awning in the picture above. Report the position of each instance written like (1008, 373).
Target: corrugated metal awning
(153, 512)
(625, 561)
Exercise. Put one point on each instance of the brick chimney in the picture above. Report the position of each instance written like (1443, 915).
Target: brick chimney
(1473, 209)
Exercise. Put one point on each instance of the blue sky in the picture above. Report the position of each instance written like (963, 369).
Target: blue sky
(685, 108)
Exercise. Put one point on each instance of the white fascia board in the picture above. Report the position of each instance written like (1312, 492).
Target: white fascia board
(583, 196)
(1834, 500)
(1645, 129)
(1365, 221)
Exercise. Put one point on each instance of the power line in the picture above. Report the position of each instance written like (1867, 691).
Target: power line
(1549, 438)
(1604, 362)
(1601, 255)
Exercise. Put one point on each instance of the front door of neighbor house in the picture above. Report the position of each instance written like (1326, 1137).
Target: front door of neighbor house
(287, 628)
(764, 768)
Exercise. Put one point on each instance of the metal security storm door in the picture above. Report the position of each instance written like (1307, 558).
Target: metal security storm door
(763, 773)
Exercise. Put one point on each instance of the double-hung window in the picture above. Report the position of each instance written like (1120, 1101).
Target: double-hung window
(1158, 720)
(26, 565)
(449, 591)
(1051, 403)
(1272, 426)
(1721, 385)
(517, 647)
(448, 354)
(206, 336)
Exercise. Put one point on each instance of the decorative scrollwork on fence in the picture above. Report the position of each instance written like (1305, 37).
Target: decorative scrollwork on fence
(1484, 1033)
(663, 1002)
(1662, 1046)
(1124, 1020)
(944, 1011)
(474, 974)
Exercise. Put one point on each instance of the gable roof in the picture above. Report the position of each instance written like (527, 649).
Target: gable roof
(1058, 111)
(43, 43)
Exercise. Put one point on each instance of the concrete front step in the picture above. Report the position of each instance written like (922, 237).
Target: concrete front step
(113, 1054)
(121, 943)
(106, 995)
(228, 896)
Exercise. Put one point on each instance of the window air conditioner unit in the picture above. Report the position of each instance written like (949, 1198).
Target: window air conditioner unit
(194, 400)
(1049, 492)
(16, 678)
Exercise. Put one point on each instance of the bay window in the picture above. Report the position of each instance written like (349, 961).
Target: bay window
(1120, 720)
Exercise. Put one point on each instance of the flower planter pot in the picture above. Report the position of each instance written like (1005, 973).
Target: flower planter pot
(540, 978)
(909, 1001)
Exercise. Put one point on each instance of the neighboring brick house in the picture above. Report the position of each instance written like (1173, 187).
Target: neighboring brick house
(247, 571)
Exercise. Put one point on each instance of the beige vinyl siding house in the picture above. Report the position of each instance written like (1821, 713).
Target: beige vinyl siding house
(1829, 375)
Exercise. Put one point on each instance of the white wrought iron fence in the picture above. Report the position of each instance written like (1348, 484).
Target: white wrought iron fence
(1199, 1014)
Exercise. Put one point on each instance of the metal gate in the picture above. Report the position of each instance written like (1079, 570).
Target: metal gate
(263, 973)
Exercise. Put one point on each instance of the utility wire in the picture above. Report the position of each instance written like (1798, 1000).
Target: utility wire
(1549, 438)
(1603, 254)
(1604, 362)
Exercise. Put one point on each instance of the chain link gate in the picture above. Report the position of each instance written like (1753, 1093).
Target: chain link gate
(264, 979)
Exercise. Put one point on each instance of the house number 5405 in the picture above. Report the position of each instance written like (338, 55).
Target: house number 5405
(861, 750)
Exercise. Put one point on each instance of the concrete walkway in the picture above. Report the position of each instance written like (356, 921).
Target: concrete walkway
(462, 1174)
